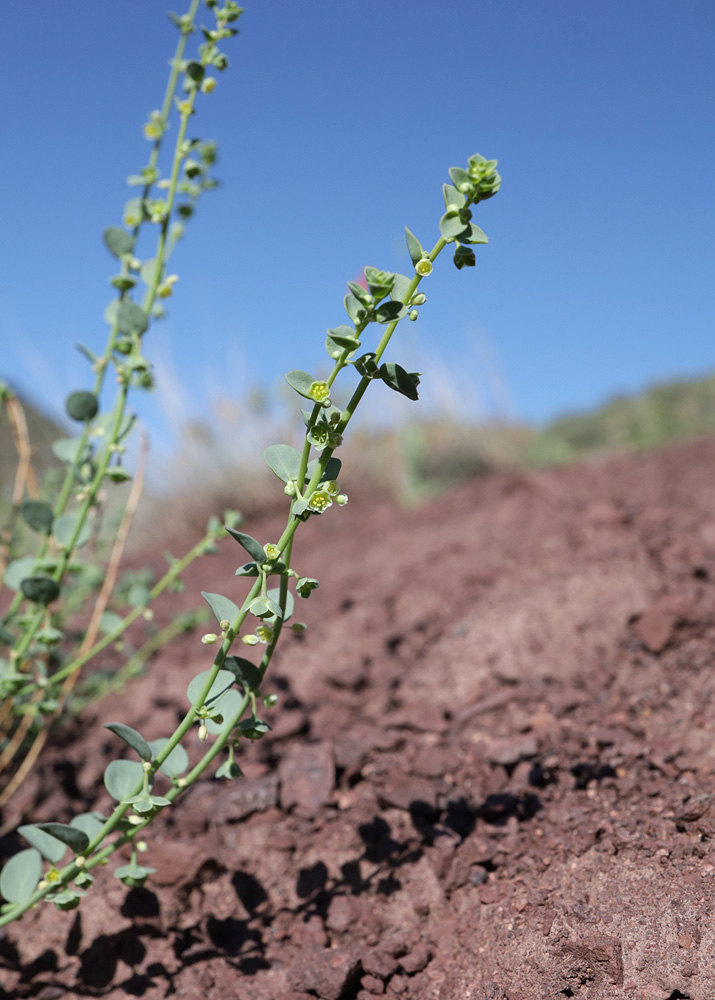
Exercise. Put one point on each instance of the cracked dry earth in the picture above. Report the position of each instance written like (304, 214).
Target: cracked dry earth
(491, 774)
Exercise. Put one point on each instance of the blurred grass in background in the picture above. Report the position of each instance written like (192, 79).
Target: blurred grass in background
(218, 463)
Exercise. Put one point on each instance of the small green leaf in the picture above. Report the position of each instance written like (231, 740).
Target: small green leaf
(122, 778)
(82, 405)
(414, 247)
(400, 380)
(49, 846)
(459, 177)
(230, 704)
(332, 469)
(248, 569)
(131, 318)
(67, 900)
(75, 839)
(283, 460)
(65, 527)
(355, 310)
(223, 608)
(84, 880)
(473, 234)
(19, 877)
(453, 197)
(90, 823)
(17, 571)
(117, 474)
(390, 312)
(251, 545)
(132, 737)
(176, 763)
(118, 241)
(247, 674)
(224, 680)
(400, 287)
(40, 589)
(306, 585)
(133, 875)
(38, 515)
(66, 450)
(110, 621)
(301, 382)
(452, 225)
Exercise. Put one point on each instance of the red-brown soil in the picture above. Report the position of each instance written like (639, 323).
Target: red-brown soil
(491, 775)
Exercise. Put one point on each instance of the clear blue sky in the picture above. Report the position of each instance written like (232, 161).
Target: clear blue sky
(337, 121)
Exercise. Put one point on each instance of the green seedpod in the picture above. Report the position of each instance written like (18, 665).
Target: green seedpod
(131, 318)
(223, 608)
(195, 71)
(464, 257)
(133, 875)
(20, 875)
(118, 241)
(38, 515)
(82, 405)
(130, 736)
(229, 770)
(40, 589)
(67, 900)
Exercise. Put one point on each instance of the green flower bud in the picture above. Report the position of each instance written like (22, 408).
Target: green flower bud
(341, 499)
(209, 639)
(250, 640)
(413, 315)
(419, 299)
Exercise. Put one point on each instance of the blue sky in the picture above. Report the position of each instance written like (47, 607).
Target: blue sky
(337, 121)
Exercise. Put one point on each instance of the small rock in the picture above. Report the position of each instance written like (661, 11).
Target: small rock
(510, 750)
(410, 793)
(329, 972)
(656, 626)
(373, 985)
(307, 777)
(416, 960)
(377, 962)
(341, 913)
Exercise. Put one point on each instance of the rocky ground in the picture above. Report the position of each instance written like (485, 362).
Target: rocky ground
(491, 775)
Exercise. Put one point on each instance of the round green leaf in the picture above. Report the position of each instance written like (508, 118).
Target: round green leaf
(19, 877)
(118, 241)
(122, 778)
(17, 571)
(48, 846)
(176, 763)
(38, 515)
(131, 318)
(40, 589)
(222, 607)
(224, 680)
(230, 704)
(246, 673)
(90, 823)
(283, 460)
(65, 527)
(82, 405)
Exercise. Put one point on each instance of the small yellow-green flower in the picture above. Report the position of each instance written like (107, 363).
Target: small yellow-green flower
(154, 127)
(165, 289)
(331, 488)
(185, 107)
(208, 85)
(53, 875)
(319, 391)
(320, 501)
(264, 634)
(272, 551)
(423, 267)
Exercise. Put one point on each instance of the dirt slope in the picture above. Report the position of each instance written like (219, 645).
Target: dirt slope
(491, 776)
